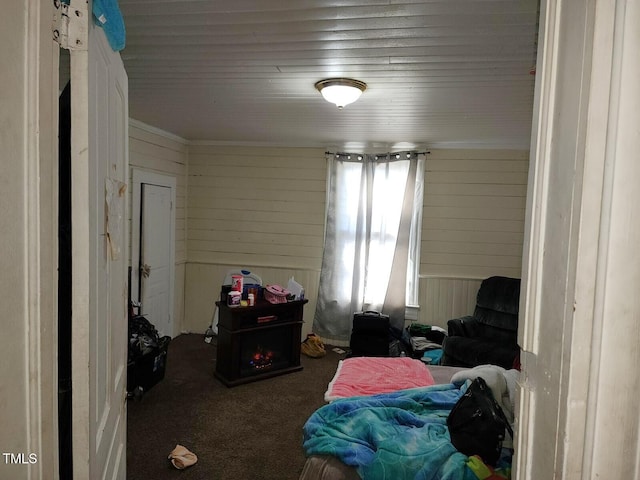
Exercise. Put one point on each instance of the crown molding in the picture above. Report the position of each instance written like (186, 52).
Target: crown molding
(157, 131)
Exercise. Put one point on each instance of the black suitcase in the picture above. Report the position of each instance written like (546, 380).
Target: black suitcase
(370, 335)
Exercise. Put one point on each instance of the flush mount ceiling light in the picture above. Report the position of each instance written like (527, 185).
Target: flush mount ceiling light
(341, 91)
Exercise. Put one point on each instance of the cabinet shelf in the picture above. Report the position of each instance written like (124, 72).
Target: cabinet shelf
(258, 342)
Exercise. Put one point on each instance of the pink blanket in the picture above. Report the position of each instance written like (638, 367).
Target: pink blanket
(370, 375)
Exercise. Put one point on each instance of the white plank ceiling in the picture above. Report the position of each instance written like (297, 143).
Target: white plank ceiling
(450, 73)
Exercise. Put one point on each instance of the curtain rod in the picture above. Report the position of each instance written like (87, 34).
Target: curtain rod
(390, 153)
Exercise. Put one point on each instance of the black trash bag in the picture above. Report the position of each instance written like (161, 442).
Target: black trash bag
(147, 356)
(143, 337)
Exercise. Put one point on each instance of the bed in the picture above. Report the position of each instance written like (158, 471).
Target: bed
(388, 435)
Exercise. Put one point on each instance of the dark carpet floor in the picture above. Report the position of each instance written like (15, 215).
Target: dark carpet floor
(252, 431)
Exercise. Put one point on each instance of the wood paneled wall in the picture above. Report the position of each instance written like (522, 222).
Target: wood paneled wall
(256, 206)
(160, 152)
(263, 209)
(444, 298)
(474, 210)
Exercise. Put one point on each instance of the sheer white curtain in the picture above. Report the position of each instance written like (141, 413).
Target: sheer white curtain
(372, 239)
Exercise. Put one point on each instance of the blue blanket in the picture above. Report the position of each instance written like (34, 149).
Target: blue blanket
(392, 436)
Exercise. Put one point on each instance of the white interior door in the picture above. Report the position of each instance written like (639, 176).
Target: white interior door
(155, 256)
(99, 237)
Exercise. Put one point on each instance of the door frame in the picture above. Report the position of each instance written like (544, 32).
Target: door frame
(31, 420)
(581, 293)
(140, 176)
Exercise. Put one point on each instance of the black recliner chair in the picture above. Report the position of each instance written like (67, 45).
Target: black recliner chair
(490, 335)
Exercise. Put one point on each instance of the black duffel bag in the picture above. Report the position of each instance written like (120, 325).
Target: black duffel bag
(477, 423)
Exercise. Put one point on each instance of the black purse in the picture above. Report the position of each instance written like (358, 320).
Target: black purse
(477, 423)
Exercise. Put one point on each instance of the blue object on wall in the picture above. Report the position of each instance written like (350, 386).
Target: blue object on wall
(106, 14)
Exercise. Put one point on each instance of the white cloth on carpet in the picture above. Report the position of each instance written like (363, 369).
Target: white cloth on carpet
(182, 458)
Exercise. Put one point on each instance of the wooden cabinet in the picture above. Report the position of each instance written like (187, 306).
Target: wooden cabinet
(258, 342)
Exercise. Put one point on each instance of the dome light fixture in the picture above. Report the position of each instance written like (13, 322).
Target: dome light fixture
(341, 91)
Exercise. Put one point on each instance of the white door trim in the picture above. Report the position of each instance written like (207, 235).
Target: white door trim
(140, 176)
(81, 278)
(577, 416)
(37, 378)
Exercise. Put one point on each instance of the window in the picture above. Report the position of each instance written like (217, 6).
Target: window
(372, 243)
(380, 236)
